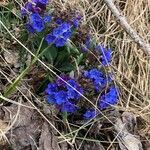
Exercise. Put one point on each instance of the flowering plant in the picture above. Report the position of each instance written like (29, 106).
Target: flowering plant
(58, 48)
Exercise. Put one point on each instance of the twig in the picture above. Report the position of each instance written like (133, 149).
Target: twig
(125, 25)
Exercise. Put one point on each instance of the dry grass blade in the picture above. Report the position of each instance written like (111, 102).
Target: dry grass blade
(124, 24)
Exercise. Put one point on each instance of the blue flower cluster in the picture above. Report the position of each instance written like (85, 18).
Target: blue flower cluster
(107, 99)
(59, 35)
(106, 55)
(63, 96)
(90, 114)
(99, 79)
(76, 20)
(110, 98)
(34, 6)
(86, 45)
(34, 11)
(100, 82)
(37, 19)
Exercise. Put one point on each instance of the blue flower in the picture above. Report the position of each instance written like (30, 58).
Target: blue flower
(97, 77)
(59, 21)
(67, 34)
(75, 22)
(23, 12)
(71, 93)
(93, 74)
(35, 17)
(89, 114)
(61, 34)
(69, 107)
(106, 55)
(47, 18)
(61, 97)
(110, 98)
(36, 22)
(51, 98)
(60, 42)
(65, 27)
(51, 88)
(29, 27)
(86, 45)
(44, 2)
(38, 25)
(57, 32)
(59, 82)
(50, 39)
(27, 7)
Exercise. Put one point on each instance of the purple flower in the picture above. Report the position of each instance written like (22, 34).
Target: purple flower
(68, 107)
(37, 9)
(23, 12)
(86, 45)
(51, 98)
(28, 7)
(47, 18)
(50, 39)
(44, 2)
(61, 34)
(59, 21)
(59, 82)
(89, 114)
(98, 78)
(72, 94)
(110, 98)
(36, 22)
(76, 20)
(61, 97)
(106, 55)
(60, 42)
(51, 88)
(29, 27)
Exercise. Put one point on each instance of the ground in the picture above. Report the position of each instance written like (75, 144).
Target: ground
(28, 122)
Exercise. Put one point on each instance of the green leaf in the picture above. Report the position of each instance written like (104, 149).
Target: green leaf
(67, 67)
(62, 57)
(79, 59)
(50, 54)
(72, 49)
(65, 116)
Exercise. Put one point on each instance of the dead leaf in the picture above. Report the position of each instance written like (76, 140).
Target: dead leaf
(11, 57)
(48, 140)
(127, 141)
(129, 119)
(3, 129)
(27, 127)
(87, 145)
(3, 3)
